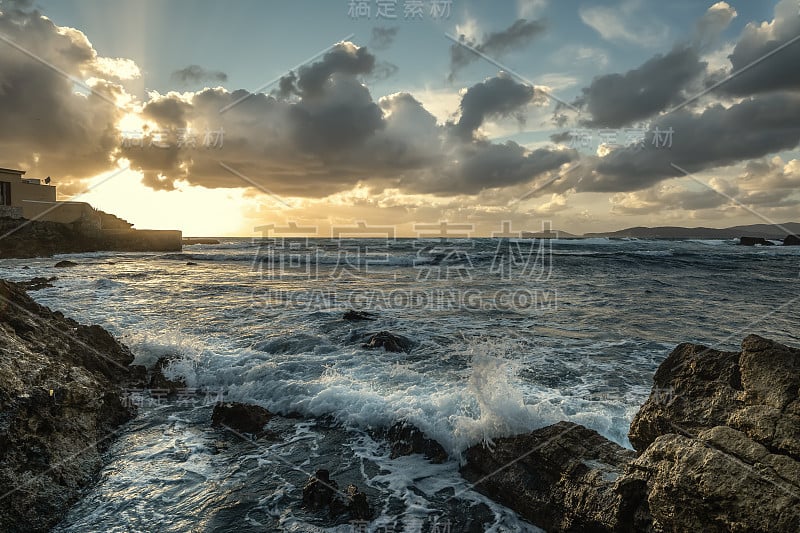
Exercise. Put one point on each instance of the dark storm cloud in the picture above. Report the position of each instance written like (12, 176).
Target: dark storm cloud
(340, 137)
(616, 100)
(778, 71)
(382, 38)
(500, 95)
(198, 74)
(345, 58)
(48, 126)
(715, 138)
(495, 44)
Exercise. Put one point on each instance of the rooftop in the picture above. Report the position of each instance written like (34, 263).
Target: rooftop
(12, 171)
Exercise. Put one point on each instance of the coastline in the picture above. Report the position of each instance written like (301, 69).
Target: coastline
(712, 417)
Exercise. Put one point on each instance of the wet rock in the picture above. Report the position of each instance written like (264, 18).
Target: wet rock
(319, 491)
(562, 478)
(159, 381)
(752, 241)
(61, 403)
(407, 439)
(241, 417)
(791, 240)
(191, 263)
(65, 264)
(389, 342)
(719, 450)
(357, 504)
(37, 283)
(352, 314)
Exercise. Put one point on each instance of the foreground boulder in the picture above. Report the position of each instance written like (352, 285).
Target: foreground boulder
(322, 493)
(562, 478)
(60, 407)
(718, 443)
(242, 417)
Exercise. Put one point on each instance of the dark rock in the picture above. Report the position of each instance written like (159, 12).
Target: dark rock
(389, 342)
(65, 264)
(357, 504)
(407, 439)
(352, 314)
(719, 450)
(791, 240)
(752, 241)
(61, 403)
(37, 283)
(242, 417)
(189, 241)
(319, 491)
(191, 263)
(562, 478)
(159, 381)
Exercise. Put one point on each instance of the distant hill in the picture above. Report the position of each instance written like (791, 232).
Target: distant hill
(767, 231)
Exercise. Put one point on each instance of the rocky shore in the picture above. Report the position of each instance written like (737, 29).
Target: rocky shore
(716, 445)
(36, 238)
(717, 449)
(60, 407)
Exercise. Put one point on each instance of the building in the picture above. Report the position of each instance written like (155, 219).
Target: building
(22, 197)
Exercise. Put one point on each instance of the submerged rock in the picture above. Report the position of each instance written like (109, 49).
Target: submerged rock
(37, 283)
(65, 264)
(321, 492)
(60, 405)
(241, 417)
(389, 342)
(159, 381)
(752, 241)
(352, 314)
(407, 439)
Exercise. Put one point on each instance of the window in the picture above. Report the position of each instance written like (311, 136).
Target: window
(5, 193)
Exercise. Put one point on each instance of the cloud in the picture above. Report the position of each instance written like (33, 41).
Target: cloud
(382, 37)
(193, 74)
(616, 100)
(624, 23)
(715, 20)
(337, 137)
(500, 95)
(345, 58)
(717, 137)
(527, 9)
(769, 72)
(53, 127)
(497, 44)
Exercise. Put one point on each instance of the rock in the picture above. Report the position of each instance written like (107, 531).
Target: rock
(65, 264)
(187, 241)
(159, 381)
(562, 478)
(319, 491)
(191, 263)
(37, 283)
(357, 504)
(791, 240)
(407, 439)
(389, 342)
(754, 391)
(61, 403)
(719, 480)
(352, 314)
(719, 450)
(752, 241)
(241, 417)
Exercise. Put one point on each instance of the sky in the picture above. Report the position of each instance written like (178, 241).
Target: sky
(220, 118)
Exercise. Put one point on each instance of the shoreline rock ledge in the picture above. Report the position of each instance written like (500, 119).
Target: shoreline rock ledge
(60, 407)
(717, 448)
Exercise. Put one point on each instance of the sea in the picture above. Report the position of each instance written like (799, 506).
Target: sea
(506, 336)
